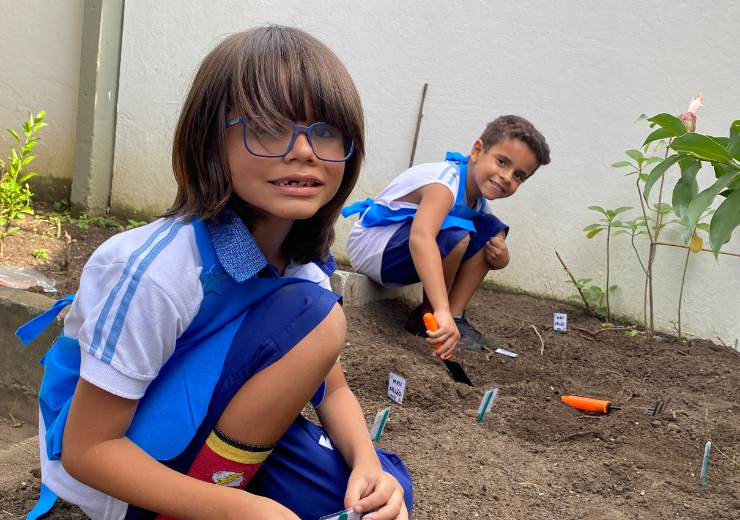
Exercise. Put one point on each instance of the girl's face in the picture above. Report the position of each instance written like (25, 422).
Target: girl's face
(292, 187)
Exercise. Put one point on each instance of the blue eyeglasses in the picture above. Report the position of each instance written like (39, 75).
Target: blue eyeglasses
(327, 142)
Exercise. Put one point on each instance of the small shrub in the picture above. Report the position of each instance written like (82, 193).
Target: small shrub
(41, 253)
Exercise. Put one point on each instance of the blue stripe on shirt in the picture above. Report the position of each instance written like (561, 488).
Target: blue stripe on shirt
(117, 327)
(100, 324)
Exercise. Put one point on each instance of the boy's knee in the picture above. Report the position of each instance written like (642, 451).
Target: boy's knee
(463, 243)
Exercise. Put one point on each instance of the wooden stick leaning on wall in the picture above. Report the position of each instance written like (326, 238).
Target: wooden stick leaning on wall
(418, 124)
(588, 307)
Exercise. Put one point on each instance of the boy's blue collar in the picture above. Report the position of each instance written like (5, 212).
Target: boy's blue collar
(235, 247)
(457, 157)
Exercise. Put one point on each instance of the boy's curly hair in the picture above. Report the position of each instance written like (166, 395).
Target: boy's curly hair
(515, 127)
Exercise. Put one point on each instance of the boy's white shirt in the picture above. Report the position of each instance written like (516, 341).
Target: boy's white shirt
(365, 245)
(159, 310)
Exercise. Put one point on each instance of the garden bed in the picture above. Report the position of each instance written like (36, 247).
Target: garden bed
(532, 456)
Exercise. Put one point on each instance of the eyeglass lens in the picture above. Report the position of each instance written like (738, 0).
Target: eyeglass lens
(327, 141)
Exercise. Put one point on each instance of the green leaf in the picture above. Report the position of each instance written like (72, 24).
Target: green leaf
(670, 123)
(643, 117)
(612, 287)
(703, 226)
(617, 224)
(26, 177)
(574, 296)
(657, 173)
(724, 222)
(610, 214)
(622, 209)
(660, 133)
(592, 227)
(704, 199)
(644, 176)
(621, 164)
(651, 160)
(619, 232)
(703, 147)
(39, 126)
(599, 209)
(687, 187)
(584, 281)
(635, 154)
(27, 160)
(14, 134)
(631, 333)
(594, 232)
(734, 146)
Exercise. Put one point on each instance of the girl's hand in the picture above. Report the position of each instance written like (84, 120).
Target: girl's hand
(370, 487)
(447, 334)
(496, 252)
(253, 507)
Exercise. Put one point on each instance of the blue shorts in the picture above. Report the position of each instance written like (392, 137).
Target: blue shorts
(398, 267)
(260, 341)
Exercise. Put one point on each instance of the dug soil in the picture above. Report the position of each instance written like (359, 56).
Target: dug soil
(532, 456)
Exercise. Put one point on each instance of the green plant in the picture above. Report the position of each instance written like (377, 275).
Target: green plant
(105, 222)
(41, 253)
(593, 294)
(607, 223)
(15, 194)
(83, 221)
(135, 223)
(62, 205)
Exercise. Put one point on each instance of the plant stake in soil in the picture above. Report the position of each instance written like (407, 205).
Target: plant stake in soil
(458, 374)
(704, 465)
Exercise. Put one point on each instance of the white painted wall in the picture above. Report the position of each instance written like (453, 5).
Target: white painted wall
(40, 70)
(581, 71)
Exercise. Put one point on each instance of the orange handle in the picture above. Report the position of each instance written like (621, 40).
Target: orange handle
(586, 403)
(431, 325)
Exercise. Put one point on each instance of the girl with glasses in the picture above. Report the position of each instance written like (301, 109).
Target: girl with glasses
(195, 342)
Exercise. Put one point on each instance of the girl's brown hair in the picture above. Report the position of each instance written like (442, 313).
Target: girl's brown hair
(277, 74)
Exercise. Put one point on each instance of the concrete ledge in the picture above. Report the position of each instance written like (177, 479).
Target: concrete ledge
(357, 289)
(20, 372)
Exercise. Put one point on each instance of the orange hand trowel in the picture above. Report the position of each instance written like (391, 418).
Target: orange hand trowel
(456, 370)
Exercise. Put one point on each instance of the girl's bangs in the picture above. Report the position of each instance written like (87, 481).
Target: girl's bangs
(283, 76)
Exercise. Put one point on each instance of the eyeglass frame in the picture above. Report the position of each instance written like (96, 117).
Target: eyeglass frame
(296, 130)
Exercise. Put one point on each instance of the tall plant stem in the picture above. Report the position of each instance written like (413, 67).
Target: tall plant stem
(644, 295)
(653, 248)
(648, 272)
(608, 236)
(680, 295)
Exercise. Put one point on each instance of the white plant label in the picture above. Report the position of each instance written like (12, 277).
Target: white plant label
(396, 387)
(561, 321)
(379, 424)
(486, 403)
(505, 352)
(343, 515)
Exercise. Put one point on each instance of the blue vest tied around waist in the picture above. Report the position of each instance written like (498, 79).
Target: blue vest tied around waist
(460, 216)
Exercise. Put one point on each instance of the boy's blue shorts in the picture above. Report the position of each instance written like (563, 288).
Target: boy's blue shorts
(398, 267)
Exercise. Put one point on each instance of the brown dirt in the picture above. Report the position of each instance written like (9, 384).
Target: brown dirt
(39, 233)
(532, 456)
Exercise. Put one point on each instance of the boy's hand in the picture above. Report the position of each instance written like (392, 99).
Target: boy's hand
(447, 334)
(496, 252)
(370, 487)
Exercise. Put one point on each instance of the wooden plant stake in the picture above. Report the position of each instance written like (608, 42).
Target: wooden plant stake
(418, 124)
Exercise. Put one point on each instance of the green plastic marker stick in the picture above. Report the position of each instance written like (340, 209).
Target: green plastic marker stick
(379, 423)
(486, 403)
(704, 466)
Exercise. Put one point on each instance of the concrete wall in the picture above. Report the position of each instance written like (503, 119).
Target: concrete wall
(582, 71)
(39, 70)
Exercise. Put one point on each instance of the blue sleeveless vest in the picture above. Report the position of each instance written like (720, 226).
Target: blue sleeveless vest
(165, 423)
(460, 216)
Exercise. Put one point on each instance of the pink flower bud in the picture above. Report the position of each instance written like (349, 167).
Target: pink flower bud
(689, 118)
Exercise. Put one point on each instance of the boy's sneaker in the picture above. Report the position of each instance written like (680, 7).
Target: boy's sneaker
(470, 338)
(415, 323)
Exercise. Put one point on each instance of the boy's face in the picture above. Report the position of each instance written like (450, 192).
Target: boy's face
(498, 172)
